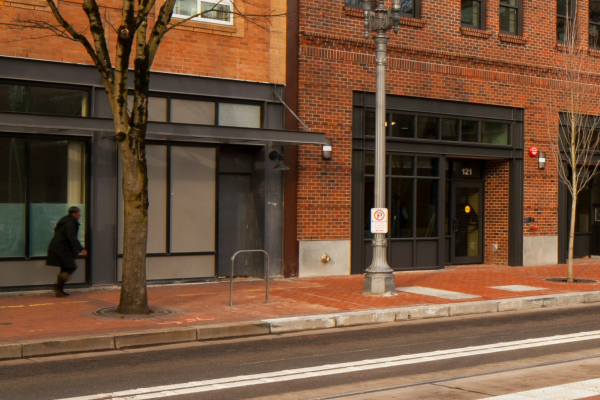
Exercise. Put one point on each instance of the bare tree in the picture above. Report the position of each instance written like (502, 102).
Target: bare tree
(135, 49)
(574, 146)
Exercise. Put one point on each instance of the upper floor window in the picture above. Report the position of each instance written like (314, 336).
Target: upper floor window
(217, 11)
(510, 17)
(41, 99)
(595, 24)
(472, 13)
(408, 8)
(565, 11)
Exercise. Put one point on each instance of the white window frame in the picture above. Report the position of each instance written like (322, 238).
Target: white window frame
(208, 20)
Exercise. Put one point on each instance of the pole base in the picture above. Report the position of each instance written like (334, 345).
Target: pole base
(379, 284)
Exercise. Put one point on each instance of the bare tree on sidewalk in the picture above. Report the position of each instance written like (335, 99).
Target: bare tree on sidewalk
(139, 28)
(574, 146)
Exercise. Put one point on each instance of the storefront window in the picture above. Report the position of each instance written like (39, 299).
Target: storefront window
(469, 131)
(54, 181)
(494, 133)
(23, 98)
(403, 126)
(427, 128)
(401, 211)
(449, 129)
(427, 200)
(582, 220)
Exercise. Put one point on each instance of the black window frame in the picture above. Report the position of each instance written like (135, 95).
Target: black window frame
(519, 9)
(29, 85)
(571, 6)
(593, 24)
(482, 15)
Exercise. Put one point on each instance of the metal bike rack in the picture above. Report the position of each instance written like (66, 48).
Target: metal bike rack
(232, 268)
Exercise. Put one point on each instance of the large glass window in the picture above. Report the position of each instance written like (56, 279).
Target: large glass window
(218, 11)
(26, 98)
(509, 16)
(412, 195)
(495, 132)
(50, 174)
(594, 24)
(473, 13)
(565, 12)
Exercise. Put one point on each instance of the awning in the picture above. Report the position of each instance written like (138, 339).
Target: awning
(45, 124)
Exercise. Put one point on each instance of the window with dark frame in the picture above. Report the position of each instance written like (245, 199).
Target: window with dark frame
(435, 128)
(565, 9)
(594, 28)
(24, 97)
(408, 8)
(510, 17)
(472, 13)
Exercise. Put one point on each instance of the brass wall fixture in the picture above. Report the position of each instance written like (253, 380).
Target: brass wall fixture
(325, 258)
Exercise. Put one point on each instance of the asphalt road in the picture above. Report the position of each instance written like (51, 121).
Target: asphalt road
(464, 377)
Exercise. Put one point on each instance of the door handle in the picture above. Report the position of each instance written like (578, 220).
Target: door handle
(454, 225)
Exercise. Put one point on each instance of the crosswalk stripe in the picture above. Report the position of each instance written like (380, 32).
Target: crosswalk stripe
(332, 369)
(570, 391)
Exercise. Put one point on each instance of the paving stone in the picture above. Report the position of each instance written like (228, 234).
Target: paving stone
(9, 351)
(479, 307)
(233, 329)
(365, 317)
(296, 324)
(422, 312)
(148, 338)
(67, 345)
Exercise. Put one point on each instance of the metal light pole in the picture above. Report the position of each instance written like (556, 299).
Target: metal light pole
(379, 277)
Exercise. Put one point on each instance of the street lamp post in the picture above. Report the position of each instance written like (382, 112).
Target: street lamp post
(379, 277)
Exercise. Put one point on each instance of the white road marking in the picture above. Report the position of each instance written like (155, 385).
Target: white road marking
(570, 391)
(332, 369)
(444, 294)
(517, 288)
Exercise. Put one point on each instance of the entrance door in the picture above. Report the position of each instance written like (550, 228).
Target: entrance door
(466, 216)
(234, 192)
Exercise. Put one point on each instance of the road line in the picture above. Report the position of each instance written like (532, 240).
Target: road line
(333, 369)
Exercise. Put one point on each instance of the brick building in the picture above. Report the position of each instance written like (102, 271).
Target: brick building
(215, 120)
(469, 89)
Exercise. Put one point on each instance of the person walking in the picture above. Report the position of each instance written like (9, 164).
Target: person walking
(63, 249)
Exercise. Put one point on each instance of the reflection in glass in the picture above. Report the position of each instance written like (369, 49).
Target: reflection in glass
(471, 13)
(369, 203)
(466, 228)
(427, 127)
(508, 18)
(13, 98)
(53, 101)
(401, 194)
(400, 165)
(449, 129)
(241, 115)
(370, 164)
(427, 199)
(427, 166)
(582, 219)
(192, 112)
(12, 197)
(402, 126)
(369, 123)
(220, 12)
(57, 181)
(157, 108)
(468, 131)
(494, 133)
(186, 7)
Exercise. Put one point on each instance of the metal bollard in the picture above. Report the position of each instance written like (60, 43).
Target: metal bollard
(232, 269)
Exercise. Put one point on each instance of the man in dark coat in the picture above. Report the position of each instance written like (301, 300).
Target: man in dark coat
(63, 249)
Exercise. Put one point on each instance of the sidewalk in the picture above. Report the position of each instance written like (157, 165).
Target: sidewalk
(30, 317)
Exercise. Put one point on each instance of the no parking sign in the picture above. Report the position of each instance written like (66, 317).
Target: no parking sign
(379, 220)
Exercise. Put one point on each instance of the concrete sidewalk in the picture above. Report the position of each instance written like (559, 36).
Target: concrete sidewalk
(40, 324)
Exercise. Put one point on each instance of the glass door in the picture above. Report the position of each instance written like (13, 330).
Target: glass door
(466, 245)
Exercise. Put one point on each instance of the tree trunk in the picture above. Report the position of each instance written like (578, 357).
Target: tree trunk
(571, 240)
(134, 295)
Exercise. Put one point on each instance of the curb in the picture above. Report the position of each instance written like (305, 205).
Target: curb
(79, 344)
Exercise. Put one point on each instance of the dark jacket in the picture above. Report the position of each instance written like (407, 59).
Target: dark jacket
(64, 246)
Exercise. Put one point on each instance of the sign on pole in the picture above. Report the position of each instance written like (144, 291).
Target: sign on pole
(379, 220)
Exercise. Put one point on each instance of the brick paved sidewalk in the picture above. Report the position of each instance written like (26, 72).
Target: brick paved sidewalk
(42, 316)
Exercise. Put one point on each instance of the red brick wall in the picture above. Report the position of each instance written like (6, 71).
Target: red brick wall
(496, 212)
(432, 57)
(243, 51)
